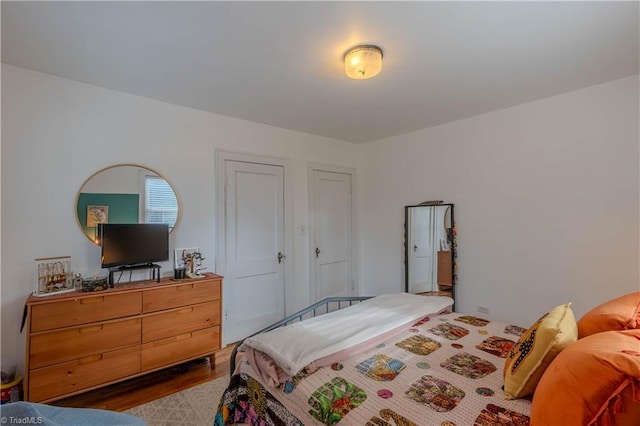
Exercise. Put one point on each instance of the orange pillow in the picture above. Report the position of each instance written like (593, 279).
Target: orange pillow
(622, 313)
(591, 380)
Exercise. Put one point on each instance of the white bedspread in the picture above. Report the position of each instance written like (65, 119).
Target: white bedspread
(295, 346)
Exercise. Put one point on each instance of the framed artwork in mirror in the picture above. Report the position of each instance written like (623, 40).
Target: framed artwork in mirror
(96, 215)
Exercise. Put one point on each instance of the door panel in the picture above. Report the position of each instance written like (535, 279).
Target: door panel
(254, 210)
(332, 234)
(333, 276)
(257, 205)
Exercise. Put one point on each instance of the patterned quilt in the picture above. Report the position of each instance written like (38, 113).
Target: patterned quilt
(443, 370)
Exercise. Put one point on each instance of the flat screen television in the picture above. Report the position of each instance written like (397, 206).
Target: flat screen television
(133, 244)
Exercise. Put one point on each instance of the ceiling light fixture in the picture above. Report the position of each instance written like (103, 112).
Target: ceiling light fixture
(362, 62)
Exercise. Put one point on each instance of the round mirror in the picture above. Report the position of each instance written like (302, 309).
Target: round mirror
(125, 193)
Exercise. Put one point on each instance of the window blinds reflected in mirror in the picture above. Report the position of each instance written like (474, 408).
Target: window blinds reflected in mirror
(161, 204)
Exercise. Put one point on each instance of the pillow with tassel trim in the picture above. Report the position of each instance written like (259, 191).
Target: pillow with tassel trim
(594, 381)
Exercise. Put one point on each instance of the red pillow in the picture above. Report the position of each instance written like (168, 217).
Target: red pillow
(622, 313)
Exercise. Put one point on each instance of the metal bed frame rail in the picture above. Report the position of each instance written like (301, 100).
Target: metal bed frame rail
(316, 309)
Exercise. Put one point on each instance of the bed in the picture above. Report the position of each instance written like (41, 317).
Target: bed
(445, 368)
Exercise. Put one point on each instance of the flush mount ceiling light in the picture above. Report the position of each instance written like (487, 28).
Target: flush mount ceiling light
(363, 62)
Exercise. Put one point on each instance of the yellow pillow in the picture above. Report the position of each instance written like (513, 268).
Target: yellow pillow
(536, 348)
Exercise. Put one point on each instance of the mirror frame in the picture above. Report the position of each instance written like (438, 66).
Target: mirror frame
(452, 244)
(75, 204)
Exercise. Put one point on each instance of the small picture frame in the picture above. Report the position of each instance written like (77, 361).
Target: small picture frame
(53, 276)
(182, 255)
(97, 215)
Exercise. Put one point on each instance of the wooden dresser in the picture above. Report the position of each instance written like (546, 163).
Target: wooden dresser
(82, 341)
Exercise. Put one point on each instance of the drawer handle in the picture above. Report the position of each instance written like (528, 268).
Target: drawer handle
(186, 310)
(183, 337)
(90, 359)
(92, 300)
(185, 287)
(91, 329)
(172, 340)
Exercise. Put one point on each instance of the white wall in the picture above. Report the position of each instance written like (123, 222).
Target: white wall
(546, 193)
(116, 180)
(57, 132)
(546, 201)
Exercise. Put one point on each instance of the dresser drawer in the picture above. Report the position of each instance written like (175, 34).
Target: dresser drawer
(48, 316)
(180, 321)
(50, 382)
(175, 349)
(72, 343)
(180, 295)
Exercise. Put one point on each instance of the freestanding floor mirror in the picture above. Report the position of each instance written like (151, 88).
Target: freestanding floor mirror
(430, 249)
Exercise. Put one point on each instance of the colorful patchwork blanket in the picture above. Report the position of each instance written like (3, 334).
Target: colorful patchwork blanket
(445, 369)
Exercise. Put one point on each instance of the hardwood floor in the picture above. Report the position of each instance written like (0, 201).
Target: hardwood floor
(124, 395)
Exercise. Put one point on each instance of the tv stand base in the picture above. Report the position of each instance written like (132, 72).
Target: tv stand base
(155, 273)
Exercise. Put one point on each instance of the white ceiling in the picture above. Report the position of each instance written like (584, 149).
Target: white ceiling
(279, 63)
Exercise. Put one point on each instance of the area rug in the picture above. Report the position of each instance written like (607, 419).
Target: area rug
(195, 406)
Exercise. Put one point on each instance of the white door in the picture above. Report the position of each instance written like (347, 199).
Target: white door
(421, 250)
(331, 242)
(254, 232)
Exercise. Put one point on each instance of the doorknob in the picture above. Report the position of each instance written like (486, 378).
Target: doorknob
(317, 252)
(415, 247)
(280, 257)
